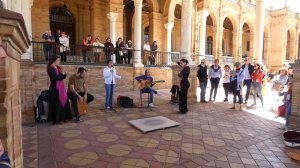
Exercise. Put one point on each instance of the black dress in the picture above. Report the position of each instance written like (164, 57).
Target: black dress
(57, 112)
(184, 87)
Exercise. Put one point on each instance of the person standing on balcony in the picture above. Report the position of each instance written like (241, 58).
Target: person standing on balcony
(110, 76)
(146, 52)
(87, 48)
(97, 49)
(64, 45)
(184, 85)
(153, 54)
(129, 48)
(214, 74)
(109, 49)
(119, 53)
(48, 44)
(56, 36)
(248, 70)
(202, 77)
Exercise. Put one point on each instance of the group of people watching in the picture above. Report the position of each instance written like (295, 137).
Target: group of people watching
(249, 75)
(150, 53)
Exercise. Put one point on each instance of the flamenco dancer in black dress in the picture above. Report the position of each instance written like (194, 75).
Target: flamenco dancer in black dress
(184, 85)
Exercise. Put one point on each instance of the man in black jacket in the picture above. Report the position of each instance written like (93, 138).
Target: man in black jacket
(202, 76)
(248, 70)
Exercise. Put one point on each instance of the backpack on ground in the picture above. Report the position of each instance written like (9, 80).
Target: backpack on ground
(125, 101)
(175, 94)
(42, 107)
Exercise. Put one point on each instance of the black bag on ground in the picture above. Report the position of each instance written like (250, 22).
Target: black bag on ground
(125, 101)
(175, 94)
(42, 107)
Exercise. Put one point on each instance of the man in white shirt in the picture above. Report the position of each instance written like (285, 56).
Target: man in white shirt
(248, 70)
(110, 76)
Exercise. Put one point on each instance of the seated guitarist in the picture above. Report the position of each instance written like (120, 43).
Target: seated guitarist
(147, 82)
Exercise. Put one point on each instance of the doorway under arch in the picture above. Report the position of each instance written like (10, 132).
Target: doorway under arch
(62, 19)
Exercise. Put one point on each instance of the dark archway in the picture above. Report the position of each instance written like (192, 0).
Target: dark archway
(62, 19)
(209, 46)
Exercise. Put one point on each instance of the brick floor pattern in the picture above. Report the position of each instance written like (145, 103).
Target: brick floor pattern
(210, 135)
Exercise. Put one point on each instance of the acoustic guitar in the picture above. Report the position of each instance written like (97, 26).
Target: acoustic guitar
(147, 83)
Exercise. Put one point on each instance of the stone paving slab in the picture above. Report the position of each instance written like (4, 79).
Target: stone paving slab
(210, 135)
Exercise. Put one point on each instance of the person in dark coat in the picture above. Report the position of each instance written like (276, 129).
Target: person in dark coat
(202, 77)
(184, 86)
(248, 70)
(153, 55)
(58, 100)
(109, 49)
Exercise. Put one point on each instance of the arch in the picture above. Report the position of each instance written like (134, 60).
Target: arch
(232, 20)
(211, 18)
(169, 9)
(290, 44)
(153, 4)
(250, 25)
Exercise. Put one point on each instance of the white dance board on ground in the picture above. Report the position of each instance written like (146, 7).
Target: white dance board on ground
(153, 123)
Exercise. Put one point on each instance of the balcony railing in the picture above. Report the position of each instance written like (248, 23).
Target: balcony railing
(227, 59)
(249, 5)
(79, 54)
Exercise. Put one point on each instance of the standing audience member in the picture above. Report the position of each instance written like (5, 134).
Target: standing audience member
(184, 85)
(146, 52)
(214, 74)
(226, 81)
(87, 48)
(110, 76)
(239, 76)
(129, 47)
(248, 70)
(58, 99)
(280, 80)
(288, 105)
(109, 49)
(202, 77)
(119, 52)
(77, 90)
(64, 45)
(4, 159)
(153, 54)
(48, 44)
(56, 36)
(97, 49)
(257, 81)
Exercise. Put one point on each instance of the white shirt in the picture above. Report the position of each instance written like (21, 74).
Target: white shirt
(246, 73)
(214, 74)
(226, 77)
(147, 47)
(97, 44)
(108, 75)
(65, 43)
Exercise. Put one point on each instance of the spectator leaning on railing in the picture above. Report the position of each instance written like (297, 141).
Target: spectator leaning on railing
(109, 49)
(153, 54)
(48, 44)
(87, 49)
(64, 45)
(128, 51)
(97, 49)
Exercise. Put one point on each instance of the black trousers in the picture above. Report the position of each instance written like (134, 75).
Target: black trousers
(237, 93)
(214, 87)
(63, 56)
(226, 89)
(248, 85)
(74, 100)
(184, 87)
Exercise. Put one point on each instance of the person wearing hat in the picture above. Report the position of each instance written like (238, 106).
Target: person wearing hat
(202, 77)
(77, 90)
(128, 51)
(239, 76)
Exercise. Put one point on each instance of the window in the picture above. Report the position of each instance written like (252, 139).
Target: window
(248, 45)
(209, 45)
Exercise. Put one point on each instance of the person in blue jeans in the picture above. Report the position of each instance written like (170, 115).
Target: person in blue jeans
(147, 79)
(288, 104)
(202, 77)
(110, 76)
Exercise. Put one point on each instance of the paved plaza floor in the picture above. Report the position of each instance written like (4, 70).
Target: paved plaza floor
(210, 135)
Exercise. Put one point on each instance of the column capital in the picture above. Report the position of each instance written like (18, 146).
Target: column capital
(138, 2)
(169, 25)
(112, 16)
(204, 13)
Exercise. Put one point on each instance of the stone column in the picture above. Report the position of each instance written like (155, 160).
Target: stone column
(186, 29)
(112, 17)
(295, 115)
(26, 11)
(202, 34)
(169, 26)
(137, 43)
(220, 43)
(259, 35)
(15, 41)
